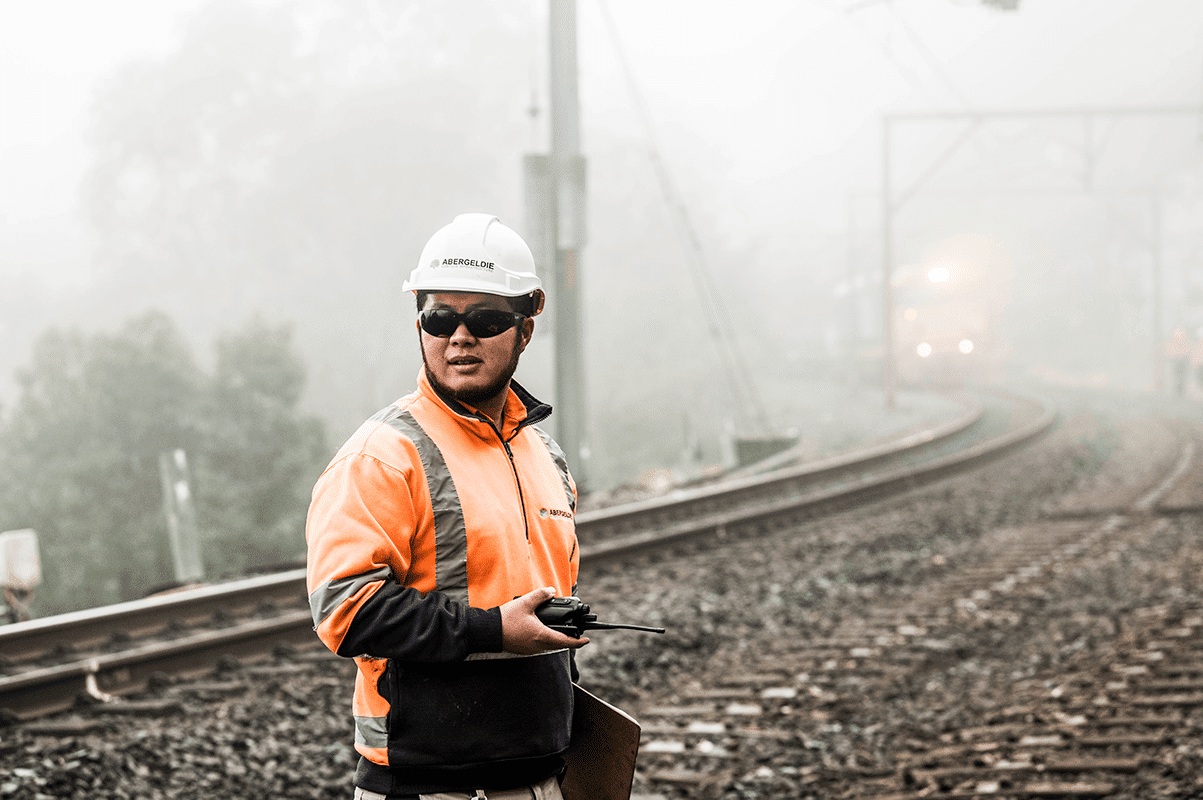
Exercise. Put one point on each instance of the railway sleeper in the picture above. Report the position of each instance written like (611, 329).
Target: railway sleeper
(705, 784)
(1123, 740)
(990, 789)
(704, 749)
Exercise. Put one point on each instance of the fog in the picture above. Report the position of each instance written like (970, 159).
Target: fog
(227, 161)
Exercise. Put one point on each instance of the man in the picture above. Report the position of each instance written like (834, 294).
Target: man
(437, 530)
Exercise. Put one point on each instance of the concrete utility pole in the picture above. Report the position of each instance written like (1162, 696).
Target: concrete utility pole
(568, 234)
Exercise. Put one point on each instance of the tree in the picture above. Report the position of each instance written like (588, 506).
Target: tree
(287, 155)
(79, 455)
(260, 458)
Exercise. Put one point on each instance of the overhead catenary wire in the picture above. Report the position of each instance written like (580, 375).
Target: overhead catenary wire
(936, 65)
(739, 377)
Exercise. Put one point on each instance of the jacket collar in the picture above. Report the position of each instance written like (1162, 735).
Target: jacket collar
(521, 409)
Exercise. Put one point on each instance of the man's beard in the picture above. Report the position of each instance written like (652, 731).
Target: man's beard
(474, 397)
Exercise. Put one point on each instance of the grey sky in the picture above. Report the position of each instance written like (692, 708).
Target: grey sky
(760, 107)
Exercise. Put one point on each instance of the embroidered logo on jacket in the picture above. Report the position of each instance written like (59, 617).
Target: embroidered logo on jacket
(554, 512)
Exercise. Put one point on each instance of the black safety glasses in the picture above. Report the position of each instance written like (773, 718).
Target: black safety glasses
(482, 323)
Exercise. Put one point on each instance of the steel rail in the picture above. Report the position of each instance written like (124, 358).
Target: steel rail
(38, 692)
(46, 691)
(667, 510)
(26, 641)
(971, 411)
(823, 501)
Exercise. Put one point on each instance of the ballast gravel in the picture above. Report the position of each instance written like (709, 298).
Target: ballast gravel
(287, 733)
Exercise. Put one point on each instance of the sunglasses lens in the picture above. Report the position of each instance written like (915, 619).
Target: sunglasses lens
(439, 321)
(483, 323)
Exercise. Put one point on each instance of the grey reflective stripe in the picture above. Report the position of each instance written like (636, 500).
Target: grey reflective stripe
(331, 594)
(557, 455)
(371, 731)
(503, 655)
(450, 531)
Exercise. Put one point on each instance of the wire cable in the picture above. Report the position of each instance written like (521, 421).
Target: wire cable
(743, 385)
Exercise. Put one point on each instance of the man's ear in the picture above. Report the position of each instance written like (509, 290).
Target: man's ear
(528, 330)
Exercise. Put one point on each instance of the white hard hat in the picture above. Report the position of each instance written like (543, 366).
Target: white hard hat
(475, 253)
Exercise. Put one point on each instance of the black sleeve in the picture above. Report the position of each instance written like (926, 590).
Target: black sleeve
(402, 623)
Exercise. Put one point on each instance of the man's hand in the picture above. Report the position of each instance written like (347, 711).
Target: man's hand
(523, 633)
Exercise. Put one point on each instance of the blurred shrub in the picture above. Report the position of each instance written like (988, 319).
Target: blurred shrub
(79, 456)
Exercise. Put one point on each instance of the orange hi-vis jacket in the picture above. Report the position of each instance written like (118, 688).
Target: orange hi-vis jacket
(425, 522)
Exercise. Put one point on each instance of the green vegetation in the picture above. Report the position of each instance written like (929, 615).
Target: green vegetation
(79, 456)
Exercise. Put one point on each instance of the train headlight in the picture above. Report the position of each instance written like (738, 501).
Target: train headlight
(924, 350)
(965, 346)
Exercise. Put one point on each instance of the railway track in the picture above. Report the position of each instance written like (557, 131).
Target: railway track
(50, 665)
(1113, 720)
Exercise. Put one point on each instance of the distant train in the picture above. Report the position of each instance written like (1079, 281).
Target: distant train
(946, 328)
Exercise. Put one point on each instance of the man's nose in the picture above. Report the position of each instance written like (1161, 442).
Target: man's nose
(462, 333)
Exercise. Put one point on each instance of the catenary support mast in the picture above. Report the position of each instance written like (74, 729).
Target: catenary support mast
(568, 235)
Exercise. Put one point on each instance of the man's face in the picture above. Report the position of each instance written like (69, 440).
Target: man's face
(471, 369)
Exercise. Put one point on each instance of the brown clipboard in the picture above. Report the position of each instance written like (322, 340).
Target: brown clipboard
(601, 758)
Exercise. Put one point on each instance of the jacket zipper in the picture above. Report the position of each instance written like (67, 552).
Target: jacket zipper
(513, 467)
(521, 501)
